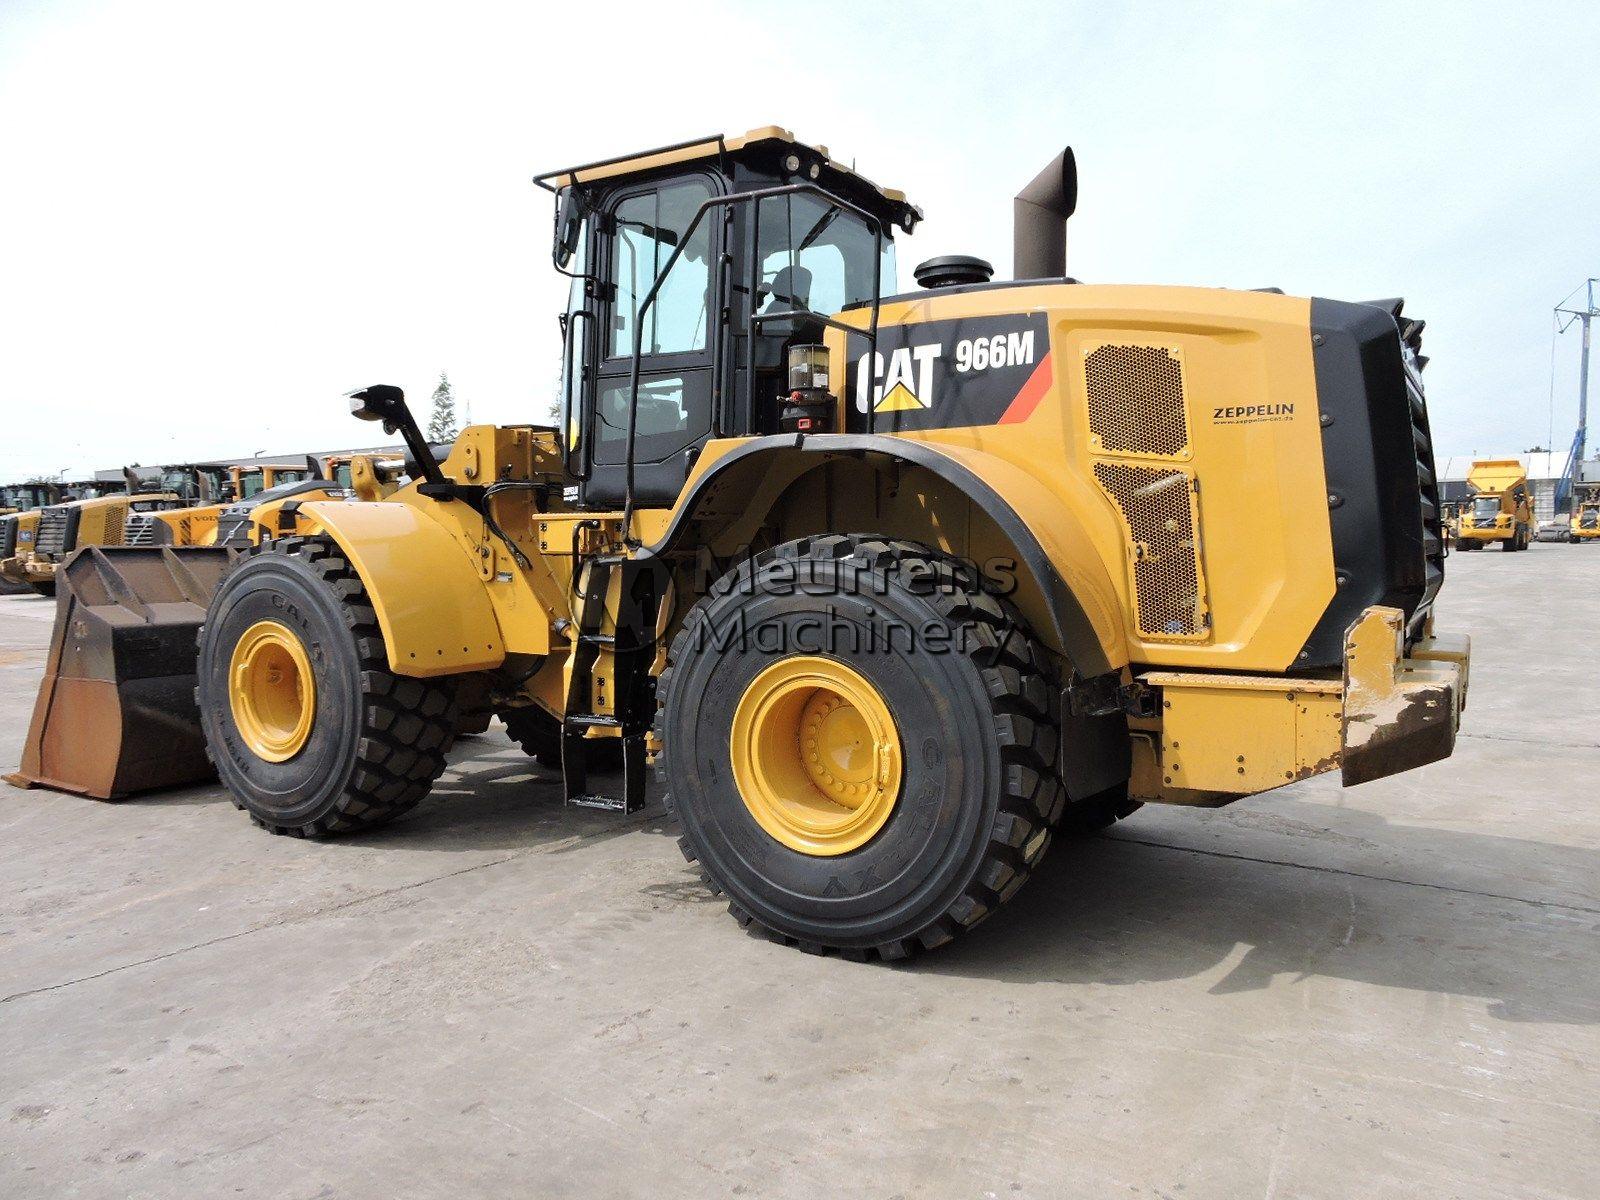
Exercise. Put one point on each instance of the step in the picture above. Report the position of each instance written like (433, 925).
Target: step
(593, 721)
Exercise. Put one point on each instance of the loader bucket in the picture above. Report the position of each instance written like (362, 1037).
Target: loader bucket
(116, 712)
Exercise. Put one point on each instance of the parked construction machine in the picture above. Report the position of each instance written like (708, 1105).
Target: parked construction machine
(230, 521)
(1585, 525)
(1501, 508)
(103, 519)
(892, 587)
(19, 518)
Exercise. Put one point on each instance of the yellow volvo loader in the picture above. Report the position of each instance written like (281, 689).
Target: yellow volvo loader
(1501, 509)
(891, 586)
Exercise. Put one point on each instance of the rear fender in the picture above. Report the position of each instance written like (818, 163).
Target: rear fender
(1080, 615)
(432, 606)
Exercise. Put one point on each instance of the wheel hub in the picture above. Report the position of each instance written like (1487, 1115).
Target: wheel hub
(271, 691)
(816, 755)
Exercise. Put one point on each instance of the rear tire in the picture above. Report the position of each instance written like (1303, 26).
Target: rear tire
(977, 796)
(376, 740)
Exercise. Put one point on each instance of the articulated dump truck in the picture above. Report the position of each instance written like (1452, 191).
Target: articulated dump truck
(1501, 508)
(890, 587)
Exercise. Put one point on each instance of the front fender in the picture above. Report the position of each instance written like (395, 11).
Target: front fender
(432, 607)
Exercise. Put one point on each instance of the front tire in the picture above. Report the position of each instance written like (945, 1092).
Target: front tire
(962, 717)
(307, 726)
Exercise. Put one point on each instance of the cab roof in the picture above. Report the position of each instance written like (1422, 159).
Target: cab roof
(766, 137)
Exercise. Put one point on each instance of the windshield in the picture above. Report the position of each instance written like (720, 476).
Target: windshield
(1485, 508)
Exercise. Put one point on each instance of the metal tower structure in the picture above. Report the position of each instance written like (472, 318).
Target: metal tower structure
(1580, 439)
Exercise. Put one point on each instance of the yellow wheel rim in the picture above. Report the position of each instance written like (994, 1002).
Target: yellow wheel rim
(816, 755)
(272, 691)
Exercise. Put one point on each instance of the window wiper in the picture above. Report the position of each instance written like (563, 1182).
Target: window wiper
(818, 228)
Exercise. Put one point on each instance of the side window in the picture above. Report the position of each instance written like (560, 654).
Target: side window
(650, 227)
(816, 256)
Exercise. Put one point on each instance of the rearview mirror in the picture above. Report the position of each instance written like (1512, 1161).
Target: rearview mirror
(380, 402)
(569, 225)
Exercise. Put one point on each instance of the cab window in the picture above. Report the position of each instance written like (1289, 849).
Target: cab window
(649, 227)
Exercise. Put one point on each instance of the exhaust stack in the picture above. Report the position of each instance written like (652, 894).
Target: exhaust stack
(1039, 220)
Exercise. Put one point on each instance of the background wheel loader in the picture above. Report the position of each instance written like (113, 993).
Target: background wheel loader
(1585, 525)
(893, 587)
(1501, 508)
(231, 523)
(102, 520)
(19, 518)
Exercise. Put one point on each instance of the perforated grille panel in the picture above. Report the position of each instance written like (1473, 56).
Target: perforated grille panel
(53, 534)
(139, 530)
(113, 534)
(1158, 507)
(1136, 401)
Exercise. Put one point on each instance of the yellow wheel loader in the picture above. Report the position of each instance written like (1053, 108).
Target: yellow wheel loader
(1585, 525)
(19, 519)
(230, 522)
(892, 586)
(104, 520)
(1501, 508)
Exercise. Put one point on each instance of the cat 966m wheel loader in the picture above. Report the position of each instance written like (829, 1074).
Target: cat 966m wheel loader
(891, 586)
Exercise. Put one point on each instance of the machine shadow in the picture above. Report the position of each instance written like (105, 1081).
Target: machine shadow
(494, 797)
(1118, 911)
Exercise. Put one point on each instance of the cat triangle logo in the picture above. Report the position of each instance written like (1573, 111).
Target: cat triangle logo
(900, 398)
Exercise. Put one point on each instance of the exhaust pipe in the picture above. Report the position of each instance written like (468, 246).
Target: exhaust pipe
(1039, 220)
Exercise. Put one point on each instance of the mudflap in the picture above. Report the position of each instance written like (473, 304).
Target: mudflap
(116, 713)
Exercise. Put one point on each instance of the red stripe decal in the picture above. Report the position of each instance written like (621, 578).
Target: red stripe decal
(1032, 392)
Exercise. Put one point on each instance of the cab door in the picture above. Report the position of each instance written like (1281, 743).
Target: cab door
(640, 229)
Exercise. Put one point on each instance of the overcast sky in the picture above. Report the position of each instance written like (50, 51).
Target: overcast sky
(218, 217)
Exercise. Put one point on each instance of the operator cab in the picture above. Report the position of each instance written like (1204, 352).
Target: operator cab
(711, 290)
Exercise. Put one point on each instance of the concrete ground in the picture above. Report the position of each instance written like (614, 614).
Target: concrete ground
(1387, 991)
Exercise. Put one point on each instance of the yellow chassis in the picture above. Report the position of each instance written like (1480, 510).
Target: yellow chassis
(1489, 533)
(24, 568)
(1219, 736)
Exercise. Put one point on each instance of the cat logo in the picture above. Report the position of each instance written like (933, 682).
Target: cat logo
(904, 384)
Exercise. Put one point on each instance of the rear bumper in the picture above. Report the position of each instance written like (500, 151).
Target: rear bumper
(1398, 712)
(1218, 737)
